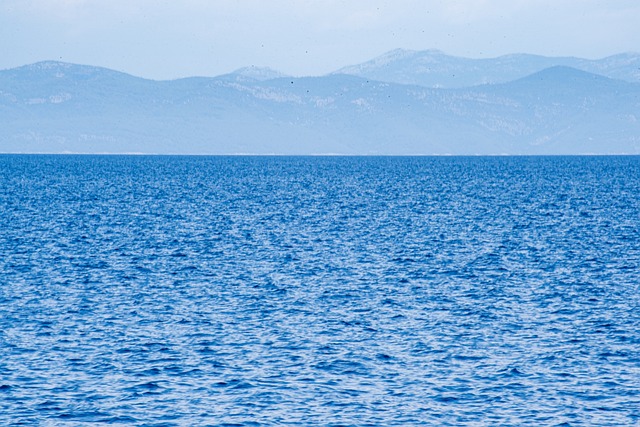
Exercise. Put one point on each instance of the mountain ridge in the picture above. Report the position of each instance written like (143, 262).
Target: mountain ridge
(433, 68)
(559, 110)
(608, 66)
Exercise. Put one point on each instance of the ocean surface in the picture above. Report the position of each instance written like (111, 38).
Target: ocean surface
(319, 291)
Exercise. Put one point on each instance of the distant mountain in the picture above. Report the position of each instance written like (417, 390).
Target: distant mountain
(58, 107)
(257, 73)
(433, 68)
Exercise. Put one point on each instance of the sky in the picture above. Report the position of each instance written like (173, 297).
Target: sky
(171, 39)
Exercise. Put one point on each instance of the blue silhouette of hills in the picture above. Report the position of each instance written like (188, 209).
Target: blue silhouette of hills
(57, 107)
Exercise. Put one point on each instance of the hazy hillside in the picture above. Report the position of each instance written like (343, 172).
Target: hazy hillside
(59, 107)
(434, 68)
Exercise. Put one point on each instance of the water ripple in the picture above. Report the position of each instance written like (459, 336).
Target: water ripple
(224, 291)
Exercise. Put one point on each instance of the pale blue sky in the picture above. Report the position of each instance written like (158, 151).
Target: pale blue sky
(169, 39)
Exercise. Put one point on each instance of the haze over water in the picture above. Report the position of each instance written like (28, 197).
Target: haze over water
(319, 291)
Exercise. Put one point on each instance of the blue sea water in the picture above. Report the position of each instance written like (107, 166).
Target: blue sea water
(319, 291)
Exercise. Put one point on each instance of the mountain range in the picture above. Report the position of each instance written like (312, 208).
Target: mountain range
(433, 68)
(402, 103)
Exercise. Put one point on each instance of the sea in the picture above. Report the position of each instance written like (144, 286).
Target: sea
(167, 291)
